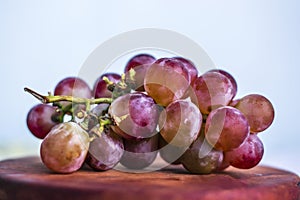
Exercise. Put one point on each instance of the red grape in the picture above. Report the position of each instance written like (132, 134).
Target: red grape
(248, 155)
(73, 86)
(258, 111)
(100, 86)
(212, 90)
(65, 147)
(226, 128)
(192, 70)
(135, 114)
(180, 123)
(40, 120)
(166, 80)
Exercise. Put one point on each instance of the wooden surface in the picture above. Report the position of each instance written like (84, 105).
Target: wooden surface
(28, 178)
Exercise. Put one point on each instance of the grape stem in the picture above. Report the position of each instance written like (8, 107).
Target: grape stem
(56, 98)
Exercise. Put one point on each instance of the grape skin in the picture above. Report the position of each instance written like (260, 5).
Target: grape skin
(140, 153)
(135, 114)
(226, 128)
(180, 123)
(100, 87)
(39, 120)
(258, 110)
(192, 70)
(65, 147)
(105, 151)
(73, 86)
(212, 90)
(248, 155)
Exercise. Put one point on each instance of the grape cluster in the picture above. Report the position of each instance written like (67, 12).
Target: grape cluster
(157, 106)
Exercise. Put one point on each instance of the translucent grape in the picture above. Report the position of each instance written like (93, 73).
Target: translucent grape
(226, 128)
(166, 80)
(65, 147)
(136, 115)
(105, 151)
(100, 86)
(212, 90)
(40, 120)
(140, 153)
(248, 155)
(258, 111)
(180, 123)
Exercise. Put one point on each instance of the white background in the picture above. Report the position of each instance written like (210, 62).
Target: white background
(258, 42)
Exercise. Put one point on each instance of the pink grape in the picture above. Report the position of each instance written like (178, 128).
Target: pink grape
(212, 90)
(226, 128)
(166, 80)
(258, 110)
(191, 68)
(73, 86)
(248, 155)
(40, 120)
(65, 147)
(100, 86)
(180, 123)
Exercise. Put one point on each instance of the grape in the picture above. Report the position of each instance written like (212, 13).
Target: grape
(140, 63)
(192, 70)
(258, 111)
(96, 112)
(65, 147)
(73, 86)
(180, 123)
(140, 153)
(135, 115)
(248, 155)
(166, 80)
(230, 77)
(234, 102)
(226, 128)
(40, 120)
(105, 151)
(200, 158)
(100, 86)
(170, 153)
(212, 90)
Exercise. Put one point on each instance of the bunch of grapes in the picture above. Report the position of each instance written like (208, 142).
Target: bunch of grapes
(157, 106)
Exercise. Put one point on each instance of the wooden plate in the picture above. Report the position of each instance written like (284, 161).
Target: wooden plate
(27, 178)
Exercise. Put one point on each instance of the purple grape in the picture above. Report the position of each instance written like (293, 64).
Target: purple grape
(248, 155)
(105, 151)
(73, 86)
(192, 70)
(200, 158)
(140, 63)
(40, 120)
(100, 87)
(65, 147)
(136, 115)
(226, 128)
(140, 153)
(212, 90)
(96, 112)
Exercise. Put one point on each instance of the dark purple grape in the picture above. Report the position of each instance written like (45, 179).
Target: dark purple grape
(230, 77)
(212, 90)
(73, 86)
(100, 87)
(170, 153)
(140, 63)
(166, 80)
(189, 65)
(105, 151)
(65, 147)
(140, 153)
(248, 155)
(226, 128)
(136, 115)
(40, 120)
(201, 158)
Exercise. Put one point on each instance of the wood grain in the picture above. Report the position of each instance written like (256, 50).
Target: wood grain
(27, 178)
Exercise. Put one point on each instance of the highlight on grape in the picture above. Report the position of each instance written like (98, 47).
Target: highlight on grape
(156, 107)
